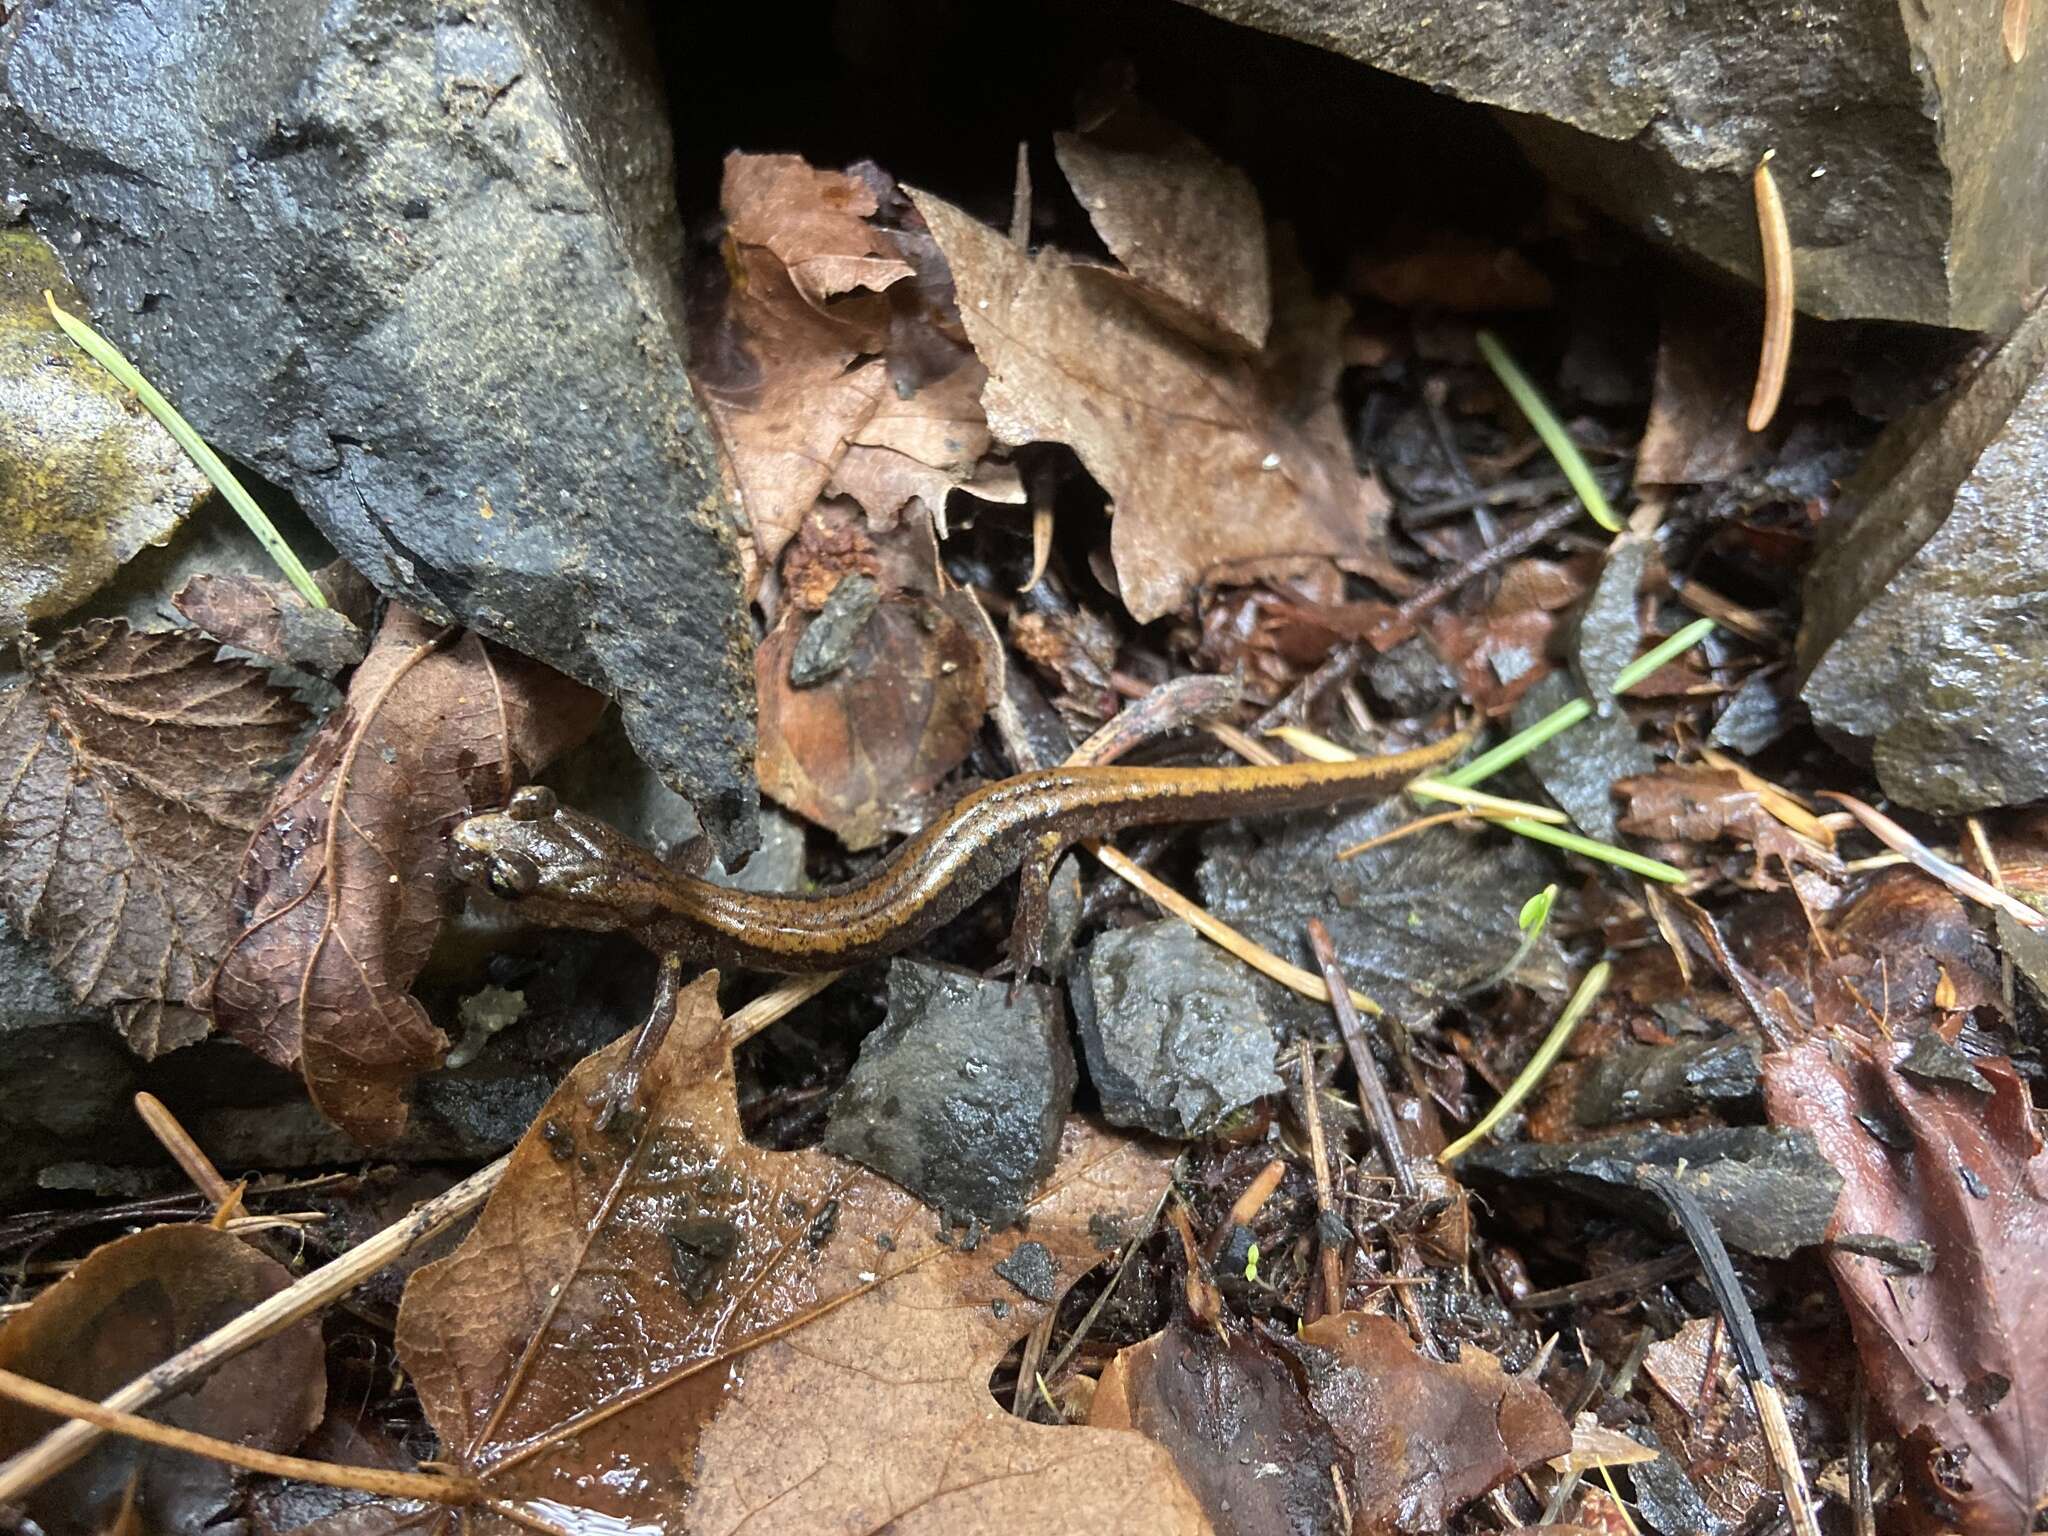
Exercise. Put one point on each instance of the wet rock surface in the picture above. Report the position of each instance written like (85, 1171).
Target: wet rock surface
(418, 266)
(1176, 1034)
(1580, 768)
(1920, 204)
(1926, 629)
(1768, 1191)
(1643, 1082)
(1415, 921)
(961, 1094)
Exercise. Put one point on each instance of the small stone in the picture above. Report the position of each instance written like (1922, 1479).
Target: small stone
(1580, 768)
(1644, 1082)
(960, 1096)
(1176, 1034)
(1031, 1269)
(1768, 1190)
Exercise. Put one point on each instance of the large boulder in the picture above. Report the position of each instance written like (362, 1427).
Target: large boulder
(418, 264)
(1914, 177)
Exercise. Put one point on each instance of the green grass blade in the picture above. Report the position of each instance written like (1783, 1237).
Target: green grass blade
(1592, 848)
(1657, 655)
(1550, 429)
(104, 353)
(1519, 745)
(1546, 1055)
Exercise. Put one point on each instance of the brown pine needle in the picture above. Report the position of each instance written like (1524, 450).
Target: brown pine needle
(434, 1487)
(1407, 828)
(2013, 25)
(184, 1151)
(1778, 298)
(1220, 933)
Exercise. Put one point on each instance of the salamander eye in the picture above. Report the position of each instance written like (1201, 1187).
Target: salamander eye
(533, 802)
(513, 875)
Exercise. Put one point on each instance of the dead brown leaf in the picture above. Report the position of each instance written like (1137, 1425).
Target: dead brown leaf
(132, 1303)
(1219, 468)
(270, 620)
(1184, 223)
(818, 376)
(135, 766)
(1956, 1354)
(1256, 1424)
(345, 883)
(664, 1326)
(1697, 431)
(859, 750)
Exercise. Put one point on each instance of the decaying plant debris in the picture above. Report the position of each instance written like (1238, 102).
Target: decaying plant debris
(1629, 1125)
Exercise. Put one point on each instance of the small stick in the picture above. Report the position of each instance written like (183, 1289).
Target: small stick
(1776, 355)
(1407, 617)
(1319, 1149)
(1372, 1093)
(1747, 1344)
(1248, 1205)
(184, 1151)
(333, 1280)
(1613, 1283)
(1123, 1267)
(437, 1488)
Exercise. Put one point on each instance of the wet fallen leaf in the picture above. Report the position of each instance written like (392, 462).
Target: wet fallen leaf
(1219, 468)
(858, 749)
(1185, 224)
(1955, 1355)
(663, 1326)
(345, 883)
(132, 1303)
(87, 477)
(820, 377)
(1697, 432)
(1258, 1425)
(135, 766)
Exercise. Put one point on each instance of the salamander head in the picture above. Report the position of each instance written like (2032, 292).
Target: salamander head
(557, 865)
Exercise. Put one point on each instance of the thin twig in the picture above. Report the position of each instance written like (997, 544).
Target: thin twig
(1372, 1093)
(1750, 1359)
(1326, 1205)
(1954, 876)
(1407, 617)
(437, 1488)
(184, 1151)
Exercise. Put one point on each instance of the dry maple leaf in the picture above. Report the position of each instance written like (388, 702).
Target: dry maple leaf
(345, 883)
(1958, 1355)
(134, 768)
(132, 1303)
(666, 1328)
(1220, 468)
(817, 374)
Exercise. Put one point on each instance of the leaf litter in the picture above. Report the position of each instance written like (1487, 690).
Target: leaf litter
(662, 1324)
(659, 1325)
(346, 881)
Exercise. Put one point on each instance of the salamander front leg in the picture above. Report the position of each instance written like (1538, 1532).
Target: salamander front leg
(624, 1091)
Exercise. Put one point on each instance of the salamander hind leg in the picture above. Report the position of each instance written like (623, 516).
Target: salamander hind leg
(1034, 891)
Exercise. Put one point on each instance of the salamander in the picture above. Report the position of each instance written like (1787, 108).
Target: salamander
(568, 869)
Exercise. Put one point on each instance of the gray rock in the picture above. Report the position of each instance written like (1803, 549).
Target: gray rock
(417, 264)
(1412, 678)
(1910, 193)
(1926, 628)
(1579, 767)
(1763, 709)
(1417, 921)
(961, 1094)
(1608, 633)
(1032, 1270)
(1176, 1034)
(1639, 1082)
(1769, 1191)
